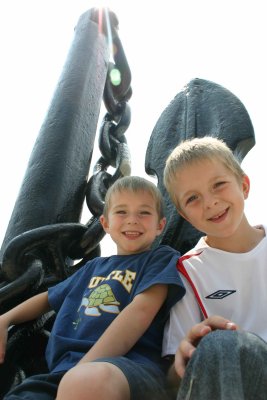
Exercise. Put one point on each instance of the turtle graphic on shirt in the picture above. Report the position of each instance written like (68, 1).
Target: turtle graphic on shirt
(101, 299)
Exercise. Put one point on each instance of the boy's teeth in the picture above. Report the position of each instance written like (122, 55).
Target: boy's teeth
(219, 215)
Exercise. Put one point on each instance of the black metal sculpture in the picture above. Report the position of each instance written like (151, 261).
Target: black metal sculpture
(45, 235)
(201, 108)
(44, 228)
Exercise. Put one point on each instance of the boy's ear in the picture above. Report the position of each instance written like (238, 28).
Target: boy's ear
(246, 186)
(161, 226)
(104, 222)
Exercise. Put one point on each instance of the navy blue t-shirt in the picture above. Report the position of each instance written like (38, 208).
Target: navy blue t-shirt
(87, 302)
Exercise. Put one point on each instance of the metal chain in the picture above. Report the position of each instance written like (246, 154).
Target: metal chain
(40, 257)
(112, 142)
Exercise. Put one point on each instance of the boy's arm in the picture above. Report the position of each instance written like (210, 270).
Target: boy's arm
(129, 325)
(26, 311)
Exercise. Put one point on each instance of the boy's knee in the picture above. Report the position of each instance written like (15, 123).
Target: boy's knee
(95, 373)
(215, 339)
(231, 343)
(89, 377)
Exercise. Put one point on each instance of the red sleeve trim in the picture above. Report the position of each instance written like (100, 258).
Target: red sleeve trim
(184, 272)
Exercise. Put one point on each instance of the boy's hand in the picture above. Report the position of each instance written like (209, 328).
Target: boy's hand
(3, 338)
(189, 343)
(27, 311)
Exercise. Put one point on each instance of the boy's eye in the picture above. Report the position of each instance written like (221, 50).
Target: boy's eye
(218, 184)
(145, 213)
(190, 199)
(120, 212)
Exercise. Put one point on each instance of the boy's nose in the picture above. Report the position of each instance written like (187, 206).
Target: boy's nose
(132, 219)
(210, 201)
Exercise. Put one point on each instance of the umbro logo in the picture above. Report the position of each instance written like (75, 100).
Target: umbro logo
(220, 294)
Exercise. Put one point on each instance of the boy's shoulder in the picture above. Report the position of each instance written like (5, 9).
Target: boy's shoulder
(164, 248)
(163, 253)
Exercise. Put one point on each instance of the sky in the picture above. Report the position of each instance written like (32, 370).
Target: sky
(167, 44)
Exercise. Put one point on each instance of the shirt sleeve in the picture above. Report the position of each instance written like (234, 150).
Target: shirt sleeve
(183, 315)
(161, 268)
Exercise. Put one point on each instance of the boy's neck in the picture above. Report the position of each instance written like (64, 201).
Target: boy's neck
(240, 243)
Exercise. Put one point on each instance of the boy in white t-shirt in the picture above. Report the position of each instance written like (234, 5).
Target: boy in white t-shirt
(225, 276)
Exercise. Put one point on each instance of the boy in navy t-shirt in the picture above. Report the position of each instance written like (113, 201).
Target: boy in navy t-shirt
(107, 337)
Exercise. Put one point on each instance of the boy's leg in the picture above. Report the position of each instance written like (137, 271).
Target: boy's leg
(90, 381)
(41, 387)
(112, 378)
(227, 365)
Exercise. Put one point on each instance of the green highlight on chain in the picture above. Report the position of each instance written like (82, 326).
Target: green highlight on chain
(115, 77)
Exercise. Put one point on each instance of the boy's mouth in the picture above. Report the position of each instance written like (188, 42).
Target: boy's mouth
(132, 234)
(219, 217)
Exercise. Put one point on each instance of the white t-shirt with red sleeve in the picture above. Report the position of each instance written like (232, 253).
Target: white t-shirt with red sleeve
(232, 285)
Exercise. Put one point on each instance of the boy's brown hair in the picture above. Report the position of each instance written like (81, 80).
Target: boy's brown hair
(134, 184)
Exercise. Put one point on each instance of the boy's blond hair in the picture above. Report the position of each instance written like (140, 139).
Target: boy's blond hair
(195, 150)
(134, 184)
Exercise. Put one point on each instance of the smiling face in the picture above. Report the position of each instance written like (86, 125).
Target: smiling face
(132, 221)
(211, 198)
